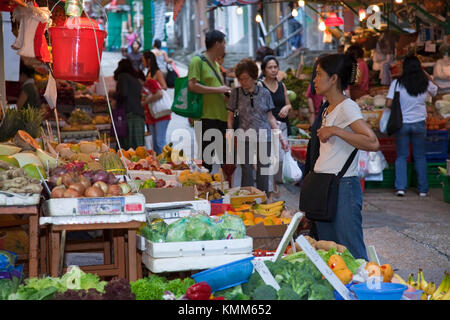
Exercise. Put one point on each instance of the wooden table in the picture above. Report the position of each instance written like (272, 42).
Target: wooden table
(125, 263)
(33, 213)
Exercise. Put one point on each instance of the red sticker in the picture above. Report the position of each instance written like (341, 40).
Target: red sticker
(133, 207)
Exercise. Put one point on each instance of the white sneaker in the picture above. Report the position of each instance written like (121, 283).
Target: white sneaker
(400, 193)
(423, 194)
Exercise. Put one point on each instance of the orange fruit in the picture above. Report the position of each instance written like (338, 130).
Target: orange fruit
(248, 216)
(268, 221)
(285, 220)
(276, 221)
(248, 223)
(258, 220)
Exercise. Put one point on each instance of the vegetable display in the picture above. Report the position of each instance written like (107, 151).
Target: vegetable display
(154, 287)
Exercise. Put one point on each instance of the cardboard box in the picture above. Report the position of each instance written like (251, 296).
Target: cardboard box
(257, 195)
(156, 195)
(266, 237)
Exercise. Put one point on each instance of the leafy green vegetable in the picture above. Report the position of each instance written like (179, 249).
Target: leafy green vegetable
(321, 292)
(8, 287)
(153, 287)
(234, 293)
(25, 293)
(287, 293)
(265, 292)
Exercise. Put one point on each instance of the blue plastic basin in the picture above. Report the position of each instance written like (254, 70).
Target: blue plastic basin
(227, 275)
(388, 291)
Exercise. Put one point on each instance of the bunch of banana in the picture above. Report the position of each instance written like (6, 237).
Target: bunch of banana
(271, 209)
(443, 291)
(429, 288)
(166, 153)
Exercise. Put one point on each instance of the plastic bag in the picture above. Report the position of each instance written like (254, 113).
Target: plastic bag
(362, 164)
(177, 230)
(156, 231)
(232, 227)
(376, 163)
(291, 171)
(384, 120)
(201, 227)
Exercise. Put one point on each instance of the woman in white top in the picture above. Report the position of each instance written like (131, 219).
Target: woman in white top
(441, 71)
(343, 129)
(161, 56)
(413, 85)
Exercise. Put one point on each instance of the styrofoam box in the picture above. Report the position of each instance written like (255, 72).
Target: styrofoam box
(195, 248)
(134, 204)
(189, 263)
(19, 200)
(146, 175)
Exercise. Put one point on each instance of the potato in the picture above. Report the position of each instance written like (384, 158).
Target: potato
(326, 245)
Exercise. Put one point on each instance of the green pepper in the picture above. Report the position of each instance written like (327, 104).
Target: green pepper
(199, 291)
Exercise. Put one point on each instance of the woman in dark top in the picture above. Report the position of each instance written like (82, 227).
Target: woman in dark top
(29, 94)
(128, 93)
(278, 91)
(135, 56)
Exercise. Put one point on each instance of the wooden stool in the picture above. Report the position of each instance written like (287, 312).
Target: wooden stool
(123, 261)
(33, 221)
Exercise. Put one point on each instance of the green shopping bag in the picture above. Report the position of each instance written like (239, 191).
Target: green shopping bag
(186, 103)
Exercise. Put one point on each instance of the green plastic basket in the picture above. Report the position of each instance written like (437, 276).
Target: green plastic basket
(445, 180)
(433, 175)
(389, 178)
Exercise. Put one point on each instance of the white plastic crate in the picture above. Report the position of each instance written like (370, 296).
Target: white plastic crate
(134, 204)
(188, 263)
(17, 199)
(195, 248)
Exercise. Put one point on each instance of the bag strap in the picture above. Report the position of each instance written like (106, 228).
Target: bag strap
(347, 164)
(212, 68)
(237, 101)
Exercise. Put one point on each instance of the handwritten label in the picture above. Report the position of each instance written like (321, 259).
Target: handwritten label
(89, 206)
(288, 235)
(265, 274)
(323, 268)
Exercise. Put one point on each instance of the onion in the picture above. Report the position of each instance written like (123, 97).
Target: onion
(125, 187)
(112, 178)
(78, 186)
(114, 190)
(67, 179)
(71, 193)
(85, 182)
(59, 171)
(58, 192)
(100, 175)
(101, 185)
(88, 175)
(94, 192)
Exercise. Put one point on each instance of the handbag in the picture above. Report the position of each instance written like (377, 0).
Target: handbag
(395, 121)
(119, 116)
(319, 193)
(161, 107)
(171, 76)
(185, 102)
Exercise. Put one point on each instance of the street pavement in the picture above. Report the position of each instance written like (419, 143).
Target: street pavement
(409, 233)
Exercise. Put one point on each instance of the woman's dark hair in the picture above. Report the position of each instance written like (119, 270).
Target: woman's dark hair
(152, 64)
(266, 61)
(157, 44)
(212, 37)
(356, 51)
(413, 79)
(342, 65)
(125, 66)
(248, 66)
(314, 73)
(262, 52)
(26, 70)
(137, 41)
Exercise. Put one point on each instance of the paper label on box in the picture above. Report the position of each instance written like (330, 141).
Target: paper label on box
(265, 274)
(324, 269)
(133, 207)
(89, 206)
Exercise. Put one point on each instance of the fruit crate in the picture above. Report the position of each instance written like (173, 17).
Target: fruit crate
(436, 147)
(389, 149)
(217, 207)
(389, 178)
(432, 175)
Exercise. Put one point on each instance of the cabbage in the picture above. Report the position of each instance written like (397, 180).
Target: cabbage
(232, 227)
(201, 227)
(176, 231)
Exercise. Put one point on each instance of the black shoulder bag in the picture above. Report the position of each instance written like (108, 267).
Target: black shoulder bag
(319, 193)
(395, 121)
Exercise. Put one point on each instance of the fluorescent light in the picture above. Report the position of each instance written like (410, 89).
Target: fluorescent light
(239, 11)
(376, 8)
(322, 26)
(294, 12)
(398, 1)
(258, 18)
(301, 3)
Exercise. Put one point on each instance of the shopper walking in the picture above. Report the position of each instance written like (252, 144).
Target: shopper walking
(128, 93)
(161, 56)
(361, 86)
(413, 85)
(135, 56)
(205, 78)
(254, 105)
(342, 131)
(270, 67)
(155, 82)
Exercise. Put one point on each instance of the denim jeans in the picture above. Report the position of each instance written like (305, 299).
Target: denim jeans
(416, 133)
(346, 229)
(159, 130)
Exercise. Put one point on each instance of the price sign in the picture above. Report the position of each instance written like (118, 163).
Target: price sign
(265, 274)
(324, 269)
(89, 206)
(288, 235)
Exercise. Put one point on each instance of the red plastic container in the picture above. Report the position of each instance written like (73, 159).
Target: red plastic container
(389, 149)
(75, 52)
